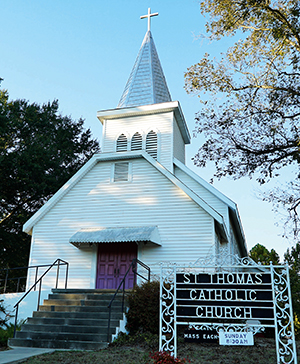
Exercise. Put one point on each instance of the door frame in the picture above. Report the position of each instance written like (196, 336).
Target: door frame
(132, 248)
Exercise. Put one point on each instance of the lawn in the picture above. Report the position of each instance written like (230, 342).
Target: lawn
(263, 352)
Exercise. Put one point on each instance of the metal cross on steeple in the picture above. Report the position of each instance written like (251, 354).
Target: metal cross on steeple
(148, 16)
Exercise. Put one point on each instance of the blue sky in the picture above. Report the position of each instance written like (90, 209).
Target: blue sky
(82, 52)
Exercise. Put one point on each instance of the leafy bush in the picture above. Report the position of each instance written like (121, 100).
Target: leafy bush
(7, 333)
(6, 330)
(145, 340)
(161, 357)
(143, 313)
(4, 315)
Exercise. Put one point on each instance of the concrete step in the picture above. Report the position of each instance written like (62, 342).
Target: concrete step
(66, 336)
(86, 291)
(71, 319)
(87, 309)
(80, 315)
(81, 302)
(69, 328)
(56, 321)
(73, 296)
(58, 344)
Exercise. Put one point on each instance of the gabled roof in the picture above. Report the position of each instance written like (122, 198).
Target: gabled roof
(119, 156)
(146, 84)
(205, 184)
(233, 209)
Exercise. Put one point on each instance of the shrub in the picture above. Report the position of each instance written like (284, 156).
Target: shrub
(144, 340)
(6, 330)
(161, 357)
(296, 327)
(143, 313)
(4, 315)
(6, 334)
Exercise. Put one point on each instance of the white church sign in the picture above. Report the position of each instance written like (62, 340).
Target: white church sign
(236, 338)
(232, 295)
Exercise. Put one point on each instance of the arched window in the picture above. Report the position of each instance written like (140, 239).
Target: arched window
(136, 142)
(151, 144)
(121, 143)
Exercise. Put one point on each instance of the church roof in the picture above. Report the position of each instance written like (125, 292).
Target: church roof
(116, 235)
(146, 84)
(219, 219)
(119, 156)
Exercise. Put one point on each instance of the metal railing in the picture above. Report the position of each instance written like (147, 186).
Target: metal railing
(7, 284)
(58, 263)
(133, 267)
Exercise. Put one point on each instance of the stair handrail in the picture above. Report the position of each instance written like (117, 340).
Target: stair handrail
(133, 266)
(58, 262)
(7, 270)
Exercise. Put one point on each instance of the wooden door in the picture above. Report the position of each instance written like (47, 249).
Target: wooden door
(113, 261)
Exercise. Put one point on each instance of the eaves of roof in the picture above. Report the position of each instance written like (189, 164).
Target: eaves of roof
(119, 156)
(234, 212)
(172, 106)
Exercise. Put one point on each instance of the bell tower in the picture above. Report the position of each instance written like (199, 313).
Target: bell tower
(146, 118)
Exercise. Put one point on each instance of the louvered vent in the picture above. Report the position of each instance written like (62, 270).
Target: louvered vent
(151, 144)
(121, 143)
(136, 142)
(121, 172)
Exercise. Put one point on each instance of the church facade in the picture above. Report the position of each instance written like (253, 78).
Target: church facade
(137, 198)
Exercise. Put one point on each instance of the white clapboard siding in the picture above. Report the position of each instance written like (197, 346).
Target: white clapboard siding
(186, 230)
(211, 199)
(234, 245)
(178, 142)
(162, 124)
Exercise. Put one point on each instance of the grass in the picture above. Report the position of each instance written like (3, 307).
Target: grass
(263, 352)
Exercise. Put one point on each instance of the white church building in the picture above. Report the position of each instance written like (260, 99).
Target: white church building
(137, 198)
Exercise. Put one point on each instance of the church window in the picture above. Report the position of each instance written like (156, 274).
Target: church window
(121, 172)
(151, 144)
(136, 142)
(121, 143)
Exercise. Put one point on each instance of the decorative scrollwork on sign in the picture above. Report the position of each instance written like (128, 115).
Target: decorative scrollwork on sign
(167, 310)
(221, 260)
(286, 352)
(227, 328)
(233, 295)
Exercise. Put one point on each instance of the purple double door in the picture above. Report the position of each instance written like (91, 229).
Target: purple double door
(113, 261)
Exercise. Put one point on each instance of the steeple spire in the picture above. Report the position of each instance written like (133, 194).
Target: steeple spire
(146, 84)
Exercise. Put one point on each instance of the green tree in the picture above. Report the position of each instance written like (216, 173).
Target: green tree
(39, 151)
(251, 119)
(292, 258)
(260, 254)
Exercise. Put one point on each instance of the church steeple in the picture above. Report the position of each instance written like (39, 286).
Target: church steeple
(146, 121)
(146, 84)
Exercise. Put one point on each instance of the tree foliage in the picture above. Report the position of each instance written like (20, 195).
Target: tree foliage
(255, 129)
(292, 258)
(39, 151)
(260, 254)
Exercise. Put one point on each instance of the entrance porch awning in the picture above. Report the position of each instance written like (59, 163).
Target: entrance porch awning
(85, 238)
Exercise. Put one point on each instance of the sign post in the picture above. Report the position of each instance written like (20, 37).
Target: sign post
(234, 296)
